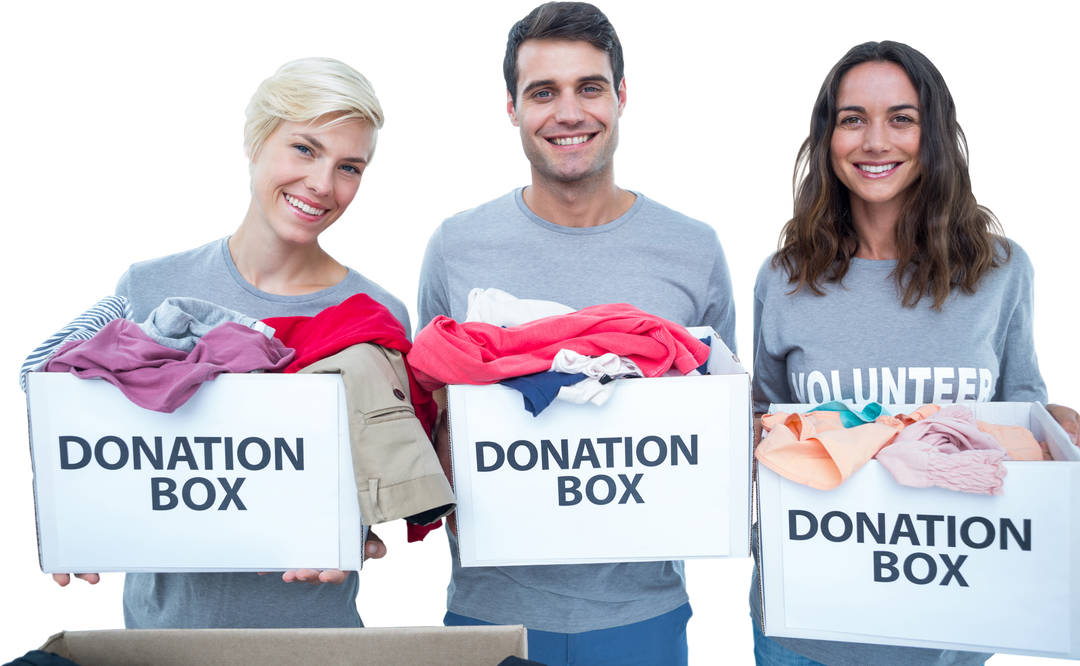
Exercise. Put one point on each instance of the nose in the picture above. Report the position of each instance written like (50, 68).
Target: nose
(876, 139)
(569, 110)
(320, 179)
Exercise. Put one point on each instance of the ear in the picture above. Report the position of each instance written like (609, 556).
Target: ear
(510, 110)
(622, 96)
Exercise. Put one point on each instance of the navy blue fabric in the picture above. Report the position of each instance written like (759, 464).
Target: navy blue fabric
(702, 368)
(539, 389)
(39, 658)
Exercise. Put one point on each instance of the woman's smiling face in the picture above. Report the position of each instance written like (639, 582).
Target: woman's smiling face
(875, 143)
(306, 174)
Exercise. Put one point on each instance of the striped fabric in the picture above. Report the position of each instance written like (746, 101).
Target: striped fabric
(83, 327)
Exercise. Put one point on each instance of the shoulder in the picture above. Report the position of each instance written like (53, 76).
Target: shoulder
(769, 277)
(181, 260)
(355, 283)
(1014, 270)
(1018, 259)
(674, 220)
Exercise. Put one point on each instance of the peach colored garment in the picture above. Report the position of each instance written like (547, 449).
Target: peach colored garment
(1017, 440)
(816, 450)
(901, 421)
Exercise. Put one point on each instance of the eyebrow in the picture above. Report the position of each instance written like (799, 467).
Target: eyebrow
(891, 109)
(599, 78)
(318, 144)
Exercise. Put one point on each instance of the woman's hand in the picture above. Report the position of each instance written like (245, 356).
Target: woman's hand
(374, 549)
(1068, 418)
(63, 579)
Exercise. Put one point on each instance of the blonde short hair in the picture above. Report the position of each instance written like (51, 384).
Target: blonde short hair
(306, 89)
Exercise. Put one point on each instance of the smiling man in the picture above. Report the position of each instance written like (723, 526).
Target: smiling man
(573, 236)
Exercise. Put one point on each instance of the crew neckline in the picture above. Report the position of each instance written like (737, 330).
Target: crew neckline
(639, 201)
(276, 298)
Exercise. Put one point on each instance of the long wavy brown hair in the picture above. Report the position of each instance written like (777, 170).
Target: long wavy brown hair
(944, 239)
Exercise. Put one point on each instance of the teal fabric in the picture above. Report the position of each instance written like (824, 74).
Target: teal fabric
(850, 416)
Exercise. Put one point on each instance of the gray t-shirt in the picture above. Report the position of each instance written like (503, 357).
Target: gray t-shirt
(235, 600)
(858, 342)
(652, 258)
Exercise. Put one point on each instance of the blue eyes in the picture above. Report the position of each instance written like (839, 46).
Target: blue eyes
(305, 150)
(547, 94)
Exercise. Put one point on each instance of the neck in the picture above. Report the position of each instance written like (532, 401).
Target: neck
(590, 202)
(875, 225)
(275, 266)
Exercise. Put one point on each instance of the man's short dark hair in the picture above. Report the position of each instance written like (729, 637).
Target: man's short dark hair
(576, 21)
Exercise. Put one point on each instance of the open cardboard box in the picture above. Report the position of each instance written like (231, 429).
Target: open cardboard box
(253, 473)
(957, 570)
(404, 646)
(587, 483)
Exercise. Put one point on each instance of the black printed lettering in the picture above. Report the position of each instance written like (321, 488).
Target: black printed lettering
(264, 453)
(562, 456)
(965, 532)
(139, 447)
(590, 489)
(65, 460)
(661, 454)
(296, 459)
(209, 490)
(499, 456)
(511, 455)
(827, 533)
(231, 494)
(630, 489)
(678, 445)
(569, 495)
(181, 452)
(884, 561)
(162, 493)
(953, 570)
(909, 568)
(793, 525)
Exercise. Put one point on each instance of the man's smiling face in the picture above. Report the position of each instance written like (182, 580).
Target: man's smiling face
(568, 109)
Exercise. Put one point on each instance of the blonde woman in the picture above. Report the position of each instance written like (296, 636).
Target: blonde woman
(310, 134)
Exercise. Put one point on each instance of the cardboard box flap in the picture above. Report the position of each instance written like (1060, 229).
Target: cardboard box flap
(722, 361)
(402, 646)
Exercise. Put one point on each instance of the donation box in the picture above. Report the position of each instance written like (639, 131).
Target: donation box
(253, 473)
(658, 472)
(873, 561)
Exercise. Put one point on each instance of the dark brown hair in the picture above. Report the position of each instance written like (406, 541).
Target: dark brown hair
(944, 239)
(576, 21)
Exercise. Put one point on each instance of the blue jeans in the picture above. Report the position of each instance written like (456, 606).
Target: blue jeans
(660, 641)
(768, 652)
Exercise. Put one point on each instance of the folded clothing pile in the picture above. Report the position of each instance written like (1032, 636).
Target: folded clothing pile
(930, 447)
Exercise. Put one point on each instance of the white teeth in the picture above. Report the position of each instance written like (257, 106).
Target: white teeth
(878, 169)
(572, 140)
(310, 210)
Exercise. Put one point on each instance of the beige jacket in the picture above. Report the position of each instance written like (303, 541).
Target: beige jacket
(398, 474)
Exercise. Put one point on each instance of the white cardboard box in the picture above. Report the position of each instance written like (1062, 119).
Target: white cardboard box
(253, 473)
(587, 483)
(1005, 575)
